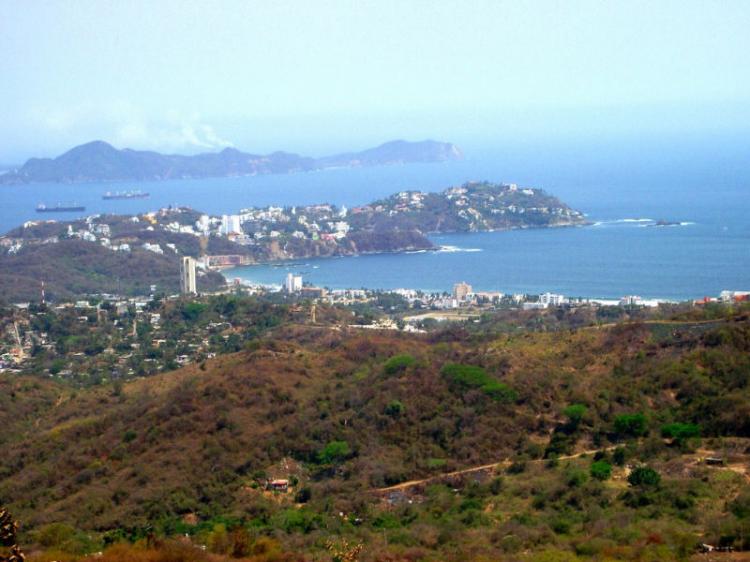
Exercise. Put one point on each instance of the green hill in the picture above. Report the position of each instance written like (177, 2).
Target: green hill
(343, 414)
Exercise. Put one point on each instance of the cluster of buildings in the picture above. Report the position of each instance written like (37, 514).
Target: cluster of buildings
(252, 225)
(293, 286)
(726, 297)
(99, 232)
(463, 295)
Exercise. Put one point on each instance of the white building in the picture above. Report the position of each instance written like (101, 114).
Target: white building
(461, 291)
(187, 276)
(729, 296)
(551, 299)
(631, 300)
(152, 248)
(203, 224)
(293, 283)
(230, 224)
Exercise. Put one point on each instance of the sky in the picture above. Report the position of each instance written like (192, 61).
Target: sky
(319, 77)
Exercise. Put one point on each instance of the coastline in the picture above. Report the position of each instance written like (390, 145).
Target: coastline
(576, 262)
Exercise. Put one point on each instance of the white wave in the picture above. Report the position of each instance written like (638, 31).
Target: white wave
(625, 222)
(454, 249)
(670, 225)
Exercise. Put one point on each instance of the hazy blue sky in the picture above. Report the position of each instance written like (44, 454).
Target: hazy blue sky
(318, 77)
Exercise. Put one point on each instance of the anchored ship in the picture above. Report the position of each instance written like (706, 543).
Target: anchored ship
(126, 195)
(59, 208)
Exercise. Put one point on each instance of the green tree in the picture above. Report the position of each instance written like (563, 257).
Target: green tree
(644, 477)
(601, 470)
(680, 431)
(398, 363)
(633, 425)
(575, 413)
(334, 452)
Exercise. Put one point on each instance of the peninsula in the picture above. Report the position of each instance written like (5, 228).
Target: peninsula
(99, 161)
(128, 254)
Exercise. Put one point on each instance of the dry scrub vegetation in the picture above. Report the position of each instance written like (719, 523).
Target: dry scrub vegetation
(188, 454)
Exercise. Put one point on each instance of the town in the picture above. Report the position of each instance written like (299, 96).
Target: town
(107, 337)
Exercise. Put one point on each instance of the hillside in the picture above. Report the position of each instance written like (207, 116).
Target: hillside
(471, 207)
(343, 414)
(72, 268)
(100, 161)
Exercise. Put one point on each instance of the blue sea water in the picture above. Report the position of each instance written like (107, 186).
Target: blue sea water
(703, 185)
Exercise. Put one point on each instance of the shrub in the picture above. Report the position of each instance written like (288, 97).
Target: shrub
(740, 506)
(680, 431)
(303, 495)
(499, 391)
(575, 413)
(601, 470)
(398, 363)
(575, 478)
(496, 485)
(619, 456)
(386, 520)
(55, 535)
(394, 409)
(470, 376)
(298, 520)
(334, 452)
(467, 376)
(644, 476)
(191, 311)
(633, 425)
(434, 464)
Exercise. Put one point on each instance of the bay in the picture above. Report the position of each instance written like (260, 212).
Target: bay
(702, 185)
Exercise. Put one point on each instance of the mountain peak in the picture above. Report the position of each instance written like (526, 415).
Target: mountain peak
(100, 161)
(93, 149)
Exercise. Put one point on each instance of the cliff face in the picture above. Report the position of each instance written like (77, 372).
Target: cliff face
(355, 243)
(396, 152)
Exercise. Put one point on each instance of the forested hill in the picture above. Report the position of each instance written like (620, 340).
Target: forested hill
(342, 414)
(100, 161)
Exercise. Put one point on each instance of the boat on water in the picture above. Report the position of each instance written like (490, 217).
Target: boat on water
(59, 208)
(137, 194)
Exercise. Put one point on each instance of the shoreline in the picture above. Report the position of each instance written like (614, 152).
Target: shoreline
(578, 299)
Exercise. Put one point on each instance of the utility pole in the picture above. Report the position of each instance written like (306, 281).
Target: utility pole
(18, 340)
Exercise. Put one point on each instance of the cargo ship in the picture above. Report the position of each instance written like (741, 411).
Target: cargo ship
(59, 208)
(125, 195)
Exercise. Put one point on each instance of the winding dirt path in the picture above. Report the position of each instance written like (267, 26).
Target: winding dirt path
(504, 463)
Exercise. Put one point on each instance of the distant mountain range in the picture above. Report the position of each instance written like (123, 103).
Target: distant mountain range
(100, 161)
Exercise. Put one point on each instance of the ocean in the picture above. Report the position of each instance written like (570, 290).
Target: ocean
(622, 187)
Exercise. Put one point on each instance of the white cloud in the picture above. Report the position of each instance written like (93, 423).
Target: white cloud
(168, 137)
(126, 126)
